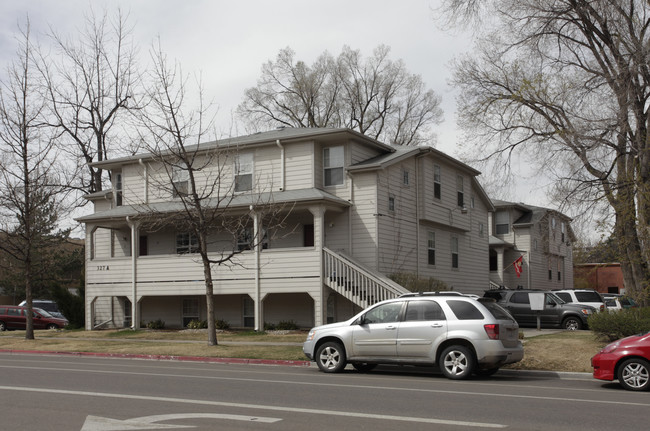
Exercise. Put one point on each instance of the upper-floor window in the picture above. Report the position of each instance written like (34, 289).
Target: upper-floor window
(180, 182)
(118, 189)
(454, 252)
(437, 184)
(405, 177)
(333, 161)
(431, 248)
(391, 203)
(186, 242)
(563, 227)
(502, 222)
(246, 239)
(460, 188)
(481, 229)
(243, 172)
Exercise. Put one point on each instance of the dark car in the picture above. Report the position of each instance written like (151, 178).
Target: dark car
(47, 305)
(556, 312)
(15, 317)
(627, 360)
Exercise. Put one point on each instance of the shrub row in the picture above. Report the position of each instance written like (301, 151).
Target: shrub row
(612, 326)
(202, 324)
(281, 326)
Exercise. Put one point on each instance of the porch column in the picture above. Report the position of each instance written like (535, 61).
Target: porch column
(320, 301)
(135, 228)
(499, 251)
(257, 242)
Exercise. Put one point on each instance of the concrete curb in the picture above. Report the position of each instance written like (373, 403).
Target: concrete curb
(164, 357)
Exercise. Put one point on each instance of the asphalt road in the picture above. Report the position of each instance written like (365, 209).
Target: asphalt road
(47, 392)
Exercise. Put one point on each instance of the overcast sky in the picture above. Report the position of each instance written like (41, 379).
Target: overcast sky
(228, 41)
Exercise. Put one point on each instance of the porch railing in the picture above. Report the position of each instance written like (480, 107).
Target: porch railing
(356, 283)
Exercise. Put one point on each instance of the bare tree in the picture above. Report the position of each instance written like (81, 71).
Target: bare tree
(198, 174)
(89, 87)
(566, 84)
(376, 96)
(28, 173)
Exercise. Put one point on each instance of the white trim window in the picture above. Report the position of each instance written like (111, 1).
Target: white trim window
(186, 242)
(460, 189)
(405, 177)
(454, 252)
(437, 182)
(243, 172)
(180, 182)
(391, 203)
(333, 162)
(431, 248)
(190, 310)
(502, 222)
(118, 189)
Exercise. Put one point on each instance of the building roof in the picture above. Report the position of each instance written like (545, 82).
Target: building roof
(239, 201)
(263, 138)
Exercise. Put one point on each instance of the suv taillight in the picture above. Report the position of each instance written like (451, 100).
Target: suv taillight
(492, 331)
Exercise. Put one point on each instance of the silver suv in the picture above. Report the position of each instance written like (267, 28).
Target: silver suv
(459, 334)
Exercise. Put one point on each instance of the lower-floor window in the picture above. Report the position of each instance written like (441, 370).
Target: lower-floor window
(431, 248)
(190, 310)
(248, 312)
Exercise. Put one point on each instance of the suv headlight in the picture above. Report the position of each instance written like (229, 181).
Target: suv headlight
(311, 335)
(586, 311)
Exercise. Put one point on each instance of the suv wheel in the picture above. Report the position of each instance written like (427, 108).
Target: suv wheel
(572, 323)
(330, 357)
(3, 326)
(457, 362)
(634, 374)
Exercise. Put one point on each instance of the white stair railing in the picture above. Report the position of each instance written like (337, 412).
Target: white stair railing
(356, 283)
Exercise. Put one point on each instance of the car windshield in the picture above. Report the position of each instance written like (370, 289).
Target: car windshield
(42, 312)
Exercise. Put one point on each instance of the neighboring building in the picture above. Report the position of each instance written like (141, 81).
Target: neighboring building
(603, 277)
(360, 210)
(540, 236)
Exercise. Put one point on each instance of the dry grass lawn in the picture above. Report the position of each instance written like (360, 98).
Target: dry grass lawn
(563, 351)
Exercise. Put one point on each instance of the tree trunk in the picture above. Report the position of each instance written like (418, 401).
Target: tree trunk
(209, 299)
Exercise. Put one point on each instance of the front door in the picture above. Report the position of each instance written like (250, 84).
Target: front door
(376, 336)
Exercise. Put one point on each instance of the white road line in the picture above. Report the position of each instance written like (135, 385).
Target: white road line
(257, 407)
(353, 386)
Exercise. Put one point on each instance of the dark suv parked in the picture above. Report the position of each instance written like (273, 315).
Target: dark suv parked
(556, 313)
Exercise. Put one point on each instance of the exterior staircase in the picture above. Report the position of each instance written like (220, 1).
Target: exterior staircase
(358, 284)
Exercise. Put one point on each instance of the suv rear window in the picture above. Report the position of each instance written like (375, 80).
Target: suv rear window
(497, 311)
(588, 297)
(465, 310)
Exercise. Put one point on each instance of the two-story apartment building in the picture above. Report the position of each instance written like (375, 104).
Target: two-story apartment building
(357, 210)
(541, 236)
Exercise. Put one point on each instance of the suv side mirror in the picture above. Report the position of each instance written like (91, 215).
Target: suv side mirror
(361, 320)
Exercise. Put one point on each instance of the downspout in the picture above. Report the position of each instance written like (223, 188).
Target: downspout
(282, 164)
(351, 200)
(135, 324)
(417, 216)
(146, 181)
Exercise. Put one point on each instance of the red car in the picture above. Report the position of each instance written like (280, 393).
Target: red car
(15, 317)
(627, 360)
